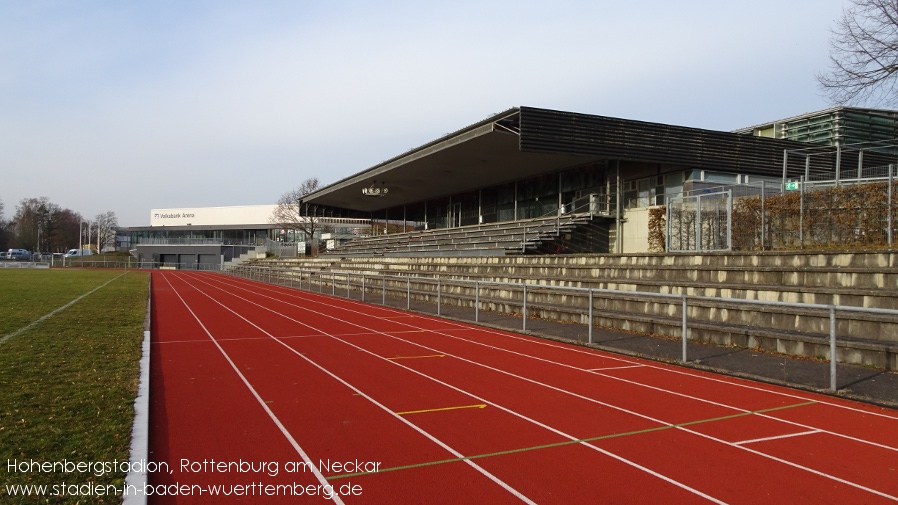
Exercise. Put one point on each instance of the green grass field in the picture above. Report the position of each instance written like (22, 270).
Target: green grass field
(67, 384)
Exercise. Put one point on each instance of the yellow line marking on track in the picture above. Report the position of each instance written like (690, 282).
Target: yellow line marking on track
(476, 406)
(416, 357)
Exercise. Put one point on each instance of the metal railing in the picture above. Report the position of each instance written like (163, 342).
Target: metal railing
(523, 299)
(594, 204)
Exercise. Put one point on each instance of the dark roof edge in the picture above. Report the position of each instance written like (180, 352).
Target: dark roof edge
(412, 153)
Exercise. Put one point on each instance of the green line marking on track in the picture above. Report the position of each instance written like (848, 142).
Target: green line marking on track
(571, 442)
(476, 406)
(416, 357)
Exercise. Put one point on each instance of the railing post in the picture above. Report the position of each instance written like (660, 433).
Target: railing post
(333, 283)
(476, 301)
(800, 211)
(889, 205)
(363, 287)
(524, 310)
(383, 288)
(832, 349)
(763, 216)
(408, 293)
(439, 298)
(684, 330)
(589, 318)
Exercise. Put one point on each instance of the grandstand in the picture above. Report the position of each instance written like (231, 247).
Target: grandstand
(562, 199)
(530, 167)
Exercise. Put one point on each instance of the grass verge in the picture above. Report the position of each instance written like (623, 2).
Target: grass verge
(67, 385)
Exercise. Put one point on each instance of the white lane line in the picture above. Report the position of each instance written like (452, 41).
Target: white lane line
(789, 463)
(778, 437)
(478, 398)
(393, 414)
(704, 400)
(541, 342)
(259, 400)
(54, 312)
(613, 368)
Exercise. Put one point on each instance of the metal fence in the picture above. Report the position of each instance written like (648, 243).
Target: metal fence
(476, 300)
(700, 222)
(819, 214)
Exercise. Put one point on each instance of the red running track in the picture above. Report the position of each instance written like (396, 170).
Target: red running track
(260, 389)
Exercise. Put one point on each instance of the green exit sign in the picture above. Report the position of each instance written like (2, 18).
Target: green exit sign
(792, 186)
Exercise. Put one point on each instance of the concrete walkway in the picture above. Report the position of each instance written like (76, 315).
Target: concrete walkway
(854, 381)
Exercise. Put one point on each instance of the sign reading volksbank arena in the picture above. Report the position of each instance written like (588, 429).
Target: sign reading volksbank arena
(212, 216)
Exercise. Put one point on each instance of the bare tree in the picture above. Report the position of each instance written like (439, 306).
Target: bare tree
(5, 230)
(106, 224)
(863, 55)
(292, 213)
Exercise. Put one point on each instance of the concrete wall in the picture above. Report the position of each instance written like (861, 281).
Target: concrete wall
(866, 279)
(636, 231)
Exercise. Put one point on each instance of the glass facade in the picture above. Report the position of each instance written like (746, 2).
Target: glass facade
(524, 199)
(173, 236)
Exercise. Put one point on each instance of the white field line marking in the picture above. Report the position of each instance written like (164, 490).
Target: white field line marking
(621, 379)
(312, 298)
(811, 470)
(393, 414)
(309, 295)
(259, 400)
(491, 403)
(54, 312)
(778, 437)
(789, 463)
(614, 368)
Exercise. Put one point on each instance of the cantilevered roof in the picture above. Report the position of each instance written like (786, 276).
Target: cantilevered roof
(480, 155)
(524, 141)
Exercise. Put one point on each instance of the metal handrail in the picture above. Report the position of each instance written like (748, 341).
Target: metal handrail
(681, 299)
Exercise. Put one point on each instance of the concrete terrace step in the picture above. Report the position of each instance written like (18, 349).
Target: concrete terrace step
(869, 339)
(508, 235)
(865, 287)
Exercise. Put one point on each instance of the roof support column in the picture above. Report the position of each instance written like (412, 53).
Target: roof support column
(515, 200)
(560, 201)
(617, 210)
(838, 163)
(480, 206)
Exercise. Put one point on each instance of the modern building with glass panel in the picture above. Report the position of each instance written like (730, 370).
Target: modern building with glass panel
(206, 237)
(831, 127)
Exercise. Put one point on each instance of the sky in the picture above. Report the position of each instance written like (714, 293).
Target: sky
(140, 105)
